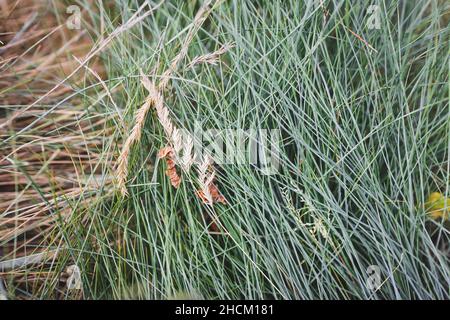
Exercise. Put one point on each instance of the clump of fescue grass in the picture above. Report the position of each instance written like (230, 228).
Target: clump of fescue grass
(364, 119)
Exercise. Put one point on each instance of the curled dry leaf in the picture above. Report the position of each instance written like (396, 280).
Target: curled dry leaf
(168, 154)
(215, 194)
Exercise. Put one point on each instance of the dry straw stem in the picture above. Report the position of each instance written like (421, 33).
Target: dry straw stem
(200, 17)
(211, 58)
(156, 99)
(168, 154)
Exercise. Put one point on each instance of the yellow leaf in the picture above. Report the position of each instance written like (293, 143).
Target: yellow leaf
(437, 206)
